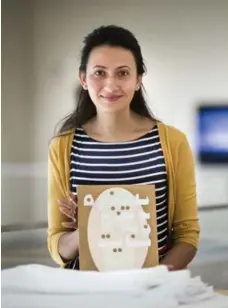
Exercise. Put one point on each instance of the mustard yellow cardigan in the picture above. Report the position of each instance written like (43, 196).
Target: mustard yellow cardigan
(182, 203)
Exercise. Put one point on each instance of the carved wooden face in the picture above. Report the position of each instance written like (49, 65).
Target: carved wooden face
(118, 230)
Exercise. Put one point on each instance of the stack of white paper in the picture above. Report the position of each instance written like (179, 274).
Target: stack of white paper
(41, 286)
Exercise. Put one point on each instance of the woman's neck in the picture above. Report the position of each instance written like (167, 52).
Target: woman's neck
(123, 126)
(114, 124)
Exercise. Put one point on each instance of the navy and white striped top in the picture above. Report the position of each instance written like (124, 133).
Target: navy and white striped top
(140, 161)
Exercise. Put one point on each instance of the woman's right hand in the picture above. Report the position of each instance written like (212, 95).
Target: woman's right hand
(69, 208)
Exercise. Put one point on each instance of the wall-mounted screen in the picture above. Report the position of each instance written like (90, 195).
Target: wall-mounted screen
(213, 134)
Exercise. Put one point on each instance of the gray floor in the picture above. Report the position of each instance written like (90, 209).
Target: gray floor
(211, 262)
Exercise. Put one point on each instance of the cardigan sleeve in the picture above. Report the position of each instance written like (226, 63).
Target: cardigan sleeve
(56, 191)
(185, 221)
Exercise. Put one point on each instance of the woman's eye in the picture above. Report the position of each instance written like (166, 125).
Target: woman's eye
(123, 73)
(99, 73)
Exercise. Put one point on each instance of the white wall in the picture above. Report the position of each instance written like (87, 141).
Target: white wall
(185, 46)
(17, 113)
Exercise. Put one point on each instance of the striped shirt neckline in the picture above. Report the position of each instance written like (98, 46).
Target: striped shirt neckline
(80, 132)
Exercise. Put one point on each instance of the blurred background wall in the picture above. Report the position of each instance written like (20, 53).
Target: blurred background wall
(185, 46)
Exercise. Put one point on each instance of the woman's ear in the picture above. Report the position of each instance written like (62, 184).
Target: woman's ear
(139, 82)
(82, 78)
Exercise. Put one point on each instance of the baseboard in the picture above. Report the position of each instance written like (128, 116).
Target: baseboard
(212, 207)
(24, 226)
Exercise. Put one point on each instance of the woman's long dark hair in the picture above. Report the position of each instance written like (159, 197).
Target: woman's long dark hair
(111, 36)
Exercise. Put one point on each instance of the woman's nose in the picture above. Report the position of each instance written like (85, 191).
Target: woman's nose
(111, 84)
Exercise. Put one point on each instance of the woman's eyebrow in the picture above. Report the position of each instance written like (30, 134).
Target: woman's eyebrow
(124, 66)
(119, 67)
(100, 66)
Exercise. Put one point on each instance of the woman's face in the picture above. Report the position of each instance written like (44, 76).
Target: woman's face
(111, 78)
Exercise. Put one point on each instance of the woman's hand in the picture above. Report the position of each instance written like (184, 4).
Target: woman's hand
(69, 208)
(170, 267)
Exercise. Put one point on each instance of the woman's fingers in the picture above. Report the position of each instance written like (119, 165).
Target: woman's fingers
(73, 197)
(68, 212)
(70, 225)
(68, 207)
(170, 267)
(64, 203)
(68, 203)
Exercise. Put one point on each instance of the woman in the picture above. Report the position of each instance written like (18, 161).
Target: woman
(113, 138)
